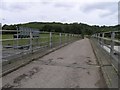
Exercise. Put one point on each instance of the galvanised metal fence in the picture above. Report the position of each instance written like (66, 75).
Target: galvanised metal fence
(19, 47)
(110, 41)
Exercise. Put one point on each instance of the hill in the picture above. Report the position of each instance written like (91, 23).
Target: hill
(76, 28)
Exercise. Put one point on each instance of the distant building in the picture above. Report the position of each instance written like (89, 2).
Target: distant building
(24, 32)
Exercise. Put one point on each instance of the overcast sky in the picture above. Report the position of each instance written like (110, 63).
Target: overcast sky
(93, 12)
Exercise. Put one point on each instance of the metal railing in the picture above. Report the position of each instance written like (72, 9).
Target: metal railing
(110, 41)
(19, 47)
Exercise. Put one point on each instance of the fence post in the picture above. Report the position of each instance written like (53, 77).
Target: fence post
(98, 38)
(103, 35)
(95, 35)
(79, 36)
(72, 37)
(17, 38)
(65, 38)
(76, 37)
(31, 38)
(37, 41)
(112, 43)
(60, 38)
(50, 39)
(69, 37)
(39, 44)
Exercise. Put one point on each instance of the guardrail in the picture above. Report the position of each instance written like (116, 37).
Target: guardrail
(110, 41)
(19, 47)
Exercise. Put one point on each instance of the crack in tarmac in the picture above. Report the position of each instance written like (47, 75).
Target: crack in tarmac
(73, 69)
(25, 76)
(53, 63)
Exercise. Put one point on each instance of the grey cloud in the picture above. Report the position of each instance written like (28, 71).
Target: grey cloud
(63, 5)
(111, 6)
(106, 14)
(46, 2)
(14, 6)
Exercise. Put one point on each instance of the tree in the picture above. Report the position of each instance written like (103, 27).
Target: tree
(75, 28)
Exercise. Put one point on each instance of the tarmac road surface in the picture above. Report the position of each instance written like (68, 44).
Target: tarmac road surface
(73, 66)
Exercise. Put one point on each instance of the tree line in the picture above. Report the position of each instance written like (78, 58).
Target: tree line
(74, 28)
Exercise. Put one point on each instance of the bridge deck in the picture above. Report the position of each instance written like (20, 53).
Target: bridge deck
(73, 66)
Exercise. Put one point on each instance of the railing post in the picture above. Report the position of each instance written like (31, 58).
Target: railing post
(50, 39)
(60, 38)
(65, 38)
(69, 37)
(112, 43)
(37, 41)
(103, 35)
(72, 37)
(39, 44)
(95, 35)
(17, 37)
(79, 36)
(98, 38)
(31, 44)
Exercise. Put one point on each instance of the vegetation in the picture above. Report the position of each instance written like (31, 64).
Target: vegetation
(7, 36)
(75, 28)
(43, 39)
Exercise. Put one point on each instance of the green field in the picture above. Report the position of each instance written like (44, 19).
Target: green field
(7, 36)
(42, 40)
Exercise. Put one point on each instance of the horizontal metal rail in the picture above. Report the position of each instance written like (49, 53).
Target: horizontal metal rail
(109, 39)
(21, 46)
(110, 43)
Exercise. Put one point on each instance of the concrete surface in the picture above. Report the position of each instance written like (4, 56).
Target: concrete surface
(108, 65)
(73, 66)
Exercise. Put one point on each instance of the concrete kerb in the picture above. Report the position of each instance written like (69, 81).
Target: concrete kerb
(99, 62)
(106, 69)
(35, 58)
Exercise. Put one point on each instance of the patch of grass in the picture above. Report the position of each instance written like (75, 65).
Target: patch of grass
(7, 36)
(45, 37)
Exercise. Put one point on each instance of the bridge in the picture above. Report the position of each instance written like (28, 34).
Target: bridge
(66, 62)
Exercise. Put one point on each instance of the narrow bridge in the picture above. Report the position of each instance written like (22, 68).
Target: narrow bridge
(79, 63)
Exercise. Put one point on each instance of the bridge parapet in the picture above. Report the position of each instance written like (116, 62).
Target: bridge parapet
(106, 46)
(17, 52)
(110, 41)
